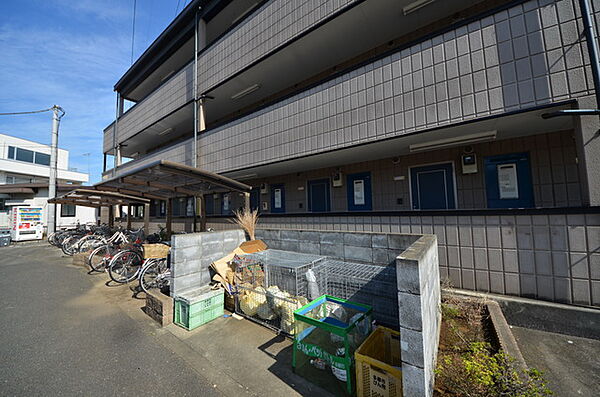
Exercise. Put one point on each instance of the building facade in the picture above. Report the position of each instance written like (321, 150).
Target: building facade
(437, 117)
(24, 176)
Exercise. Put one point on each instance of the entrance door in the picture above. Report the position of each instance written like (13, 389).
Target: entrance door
(318, 195)
(254, 198)
(508, 181)
(432, 187)
(278, 198)
(359, 192)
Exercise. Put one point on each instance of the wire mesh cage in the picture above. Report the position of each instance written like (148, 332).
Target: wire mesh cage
(328, 332)
(285, 269)
(270, 307)
(370, 284)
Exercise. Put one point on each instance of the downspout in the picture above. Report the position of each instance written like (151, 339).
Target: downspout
(588, 30)
(195, 162)
(114, 170)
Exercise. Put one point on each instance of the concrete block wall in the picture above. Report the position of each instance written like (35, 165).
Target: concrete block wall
(516, 59)
(353, 247)
(192, 254)
(418, 287)
(418, 280)
(553, 257)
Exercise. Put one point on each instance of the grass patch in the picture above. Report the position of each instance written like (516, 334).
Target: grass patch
(470, 362)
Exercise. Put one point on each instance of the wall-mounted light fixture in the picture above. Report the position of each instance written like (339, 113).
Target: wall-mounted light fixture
(246, 91)
(415, 5)
(165, 132)
(450, 142)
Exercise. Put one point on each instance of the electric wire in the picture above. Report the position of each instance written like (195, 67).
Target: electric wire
(133, 29)
(36, 111)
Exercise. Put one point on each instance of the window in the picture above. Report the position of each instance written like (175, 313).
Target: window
(3, 205)
(11, 152)
(42, 158)
(24, 155)
(67, 210)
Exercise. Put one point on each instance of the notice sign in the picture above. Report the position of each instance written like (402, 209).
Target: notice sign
(380, 384)
(507, 181)
(359, 192)
(226, 202)
(277, 198)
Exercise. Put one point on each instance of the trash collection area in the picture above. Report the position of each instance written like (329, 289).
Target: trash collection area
(327, 302)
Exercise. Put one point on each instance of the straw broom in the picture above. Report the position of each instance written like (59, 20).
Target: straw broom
(247, 220)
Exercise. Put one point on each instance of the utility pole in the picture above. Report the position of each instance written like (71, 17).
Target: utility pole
(51, 208)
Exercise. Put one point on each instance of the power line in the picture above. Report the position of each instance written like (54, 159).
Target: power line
(133, 29)
(31, 112)
(177, 8)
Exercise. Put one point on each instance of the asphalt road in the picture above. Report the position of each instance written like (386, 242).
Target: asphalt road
(61, 333)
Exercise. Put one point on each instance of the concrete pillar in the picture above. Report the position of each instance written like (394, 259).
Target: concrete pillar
(202, 213)
(587, 137)
(169, 225)
(147, 219)
(129, 212)
(247, 202)
(111, 216)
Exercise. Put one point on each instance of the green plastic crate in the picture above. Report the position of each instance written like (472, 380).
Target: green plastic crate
(198, 307)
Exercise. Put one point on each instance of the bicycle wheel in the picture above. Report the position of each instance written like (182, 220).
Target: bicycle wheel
(50, 238)
(155, 274)
(100, 258)
(89, 243)
(69, 245)
(125, 266)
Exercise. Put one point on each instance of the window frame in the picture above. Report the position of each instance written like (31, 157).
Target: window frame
(62, 210)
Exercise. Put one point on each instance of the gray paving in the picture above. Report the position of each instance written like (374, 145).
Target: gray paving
(63, 333)
(571, 364)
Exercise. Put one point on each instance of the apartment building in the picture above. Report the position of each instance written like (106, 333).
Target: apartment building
(24, 176)
(473, 120)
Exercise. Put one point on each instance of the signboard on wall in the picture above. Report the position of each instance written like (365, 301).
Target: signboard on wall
(359, 192)
(226, 202)
(508, 185)
(277, 198)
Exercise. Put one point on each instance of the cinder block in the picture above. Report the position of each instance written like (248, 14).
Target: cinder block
(409, 310)
(357, 239)
(379, 240)
(289, 245)
(401, 241)
(186, 267)
(363, 254)
(314, 237)
(411, 343)
(309, 247)
(380, 255)
(292, 235)
(413, 381)
(160, 303)
(332, 238)
(407, 276)
(333, 250)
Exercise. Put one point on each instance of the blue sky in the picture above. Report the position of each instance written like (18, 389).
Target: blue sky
(71, 53)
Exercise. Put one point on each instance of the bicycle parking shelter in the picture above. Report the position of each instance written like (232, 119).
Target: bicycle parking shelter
(159, 180)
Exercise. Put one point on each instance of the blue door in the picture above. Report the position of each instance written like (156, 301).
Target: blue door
(508, 181)
(255, 198)
(278, 198)
(432, 187)
(359, 192)
(209, 203)
(318, 195)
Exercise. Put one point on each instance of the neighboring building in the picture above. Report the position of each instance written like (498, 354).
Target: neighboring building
(24, 175)
(388, 115)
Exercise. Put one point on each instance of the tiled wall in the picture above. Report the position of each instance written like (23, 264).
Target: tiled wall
(529, 55)
(553, 162)
(549, 257)
(271, 26)
(174, 93)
